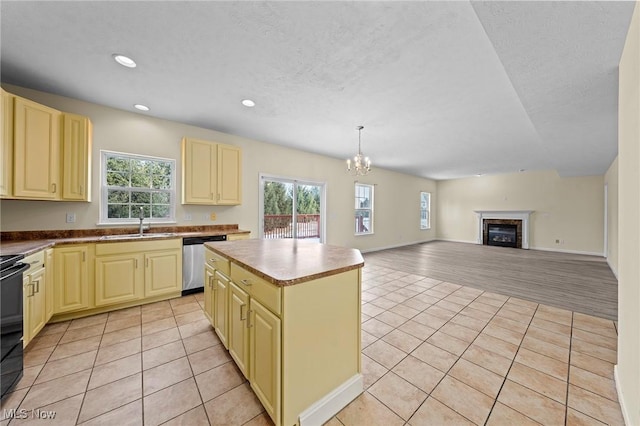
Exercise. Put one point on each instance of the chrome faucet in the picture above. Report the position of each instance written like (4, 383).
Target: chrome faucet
(141, 217)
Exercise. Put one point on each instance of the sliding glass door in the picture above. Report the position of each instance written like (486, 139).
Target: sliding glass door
(291, 208)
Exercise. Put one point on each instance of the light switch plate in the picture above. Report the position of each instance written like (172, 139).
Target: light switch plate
(71, 217)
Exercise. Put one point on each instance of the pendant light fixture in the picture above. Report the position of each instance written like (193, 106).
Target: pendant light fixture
(361, 164)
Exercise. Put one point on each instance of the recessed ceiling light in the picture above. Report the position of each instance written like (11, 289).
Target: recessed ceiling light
(478, 174)
(141, 107)
(125, 61)
(521, 170)
(248, 103)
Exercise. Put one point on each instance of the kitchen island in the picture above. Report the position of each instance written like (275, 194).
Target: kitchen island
(289, 313)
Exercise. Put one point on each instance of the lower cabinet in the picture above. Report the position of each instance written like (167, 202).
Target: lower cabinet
(209, 274)
(265, 357)
(220, 306)
(34, 296)
(131, 271)
(71, 283)
(238, 339)
(119, 279)
(49, 277)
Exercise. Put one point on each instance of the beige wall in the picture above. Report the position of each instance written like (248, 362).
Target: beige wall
(628, 368)
(611, 181)
(567, 209)
(397, 202)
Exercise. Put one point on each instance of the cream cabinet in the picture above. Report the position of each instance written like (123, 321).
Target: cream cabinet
(221, 306)
(6, 174)
(119, 278)
(49, 277)
(71, 284)
(209, 274)
(34, 296)
(211, 173)
(133, 271)
(76, 157)
(265, 358)
(46, 154)
(238, 338)
(36, 167)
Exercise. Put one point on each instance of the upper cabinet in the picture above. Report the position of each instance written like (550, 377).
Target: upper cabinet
(6, 174)
(46, 154)
(36, 151)
(211, 173)
(76, 158)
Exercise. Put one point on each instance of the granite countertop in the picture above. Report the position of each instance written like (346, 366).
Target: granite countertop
(28, 242)
(287, 262)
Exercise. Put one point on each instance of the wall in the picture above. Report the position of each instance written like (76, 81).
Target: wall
(397, 202)
(568, 209)
(611, 180)
(628, 368)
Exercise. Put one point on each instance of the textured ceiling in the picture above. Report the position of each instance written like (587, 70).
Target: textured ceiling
(443, 89)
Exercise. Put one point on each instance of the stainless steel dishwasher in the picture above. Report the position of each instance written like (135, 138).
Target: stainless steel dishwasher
(193, 262)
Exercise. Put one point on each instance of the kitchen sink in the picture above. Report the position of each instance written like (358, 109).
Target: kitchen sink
(137, 236)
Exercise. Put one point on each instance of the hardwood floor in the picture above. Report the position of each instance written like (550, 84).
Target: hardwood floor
(579, 283)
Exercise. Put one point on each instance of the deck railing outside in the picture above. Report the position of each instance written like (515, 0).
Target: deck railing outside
(281, 226)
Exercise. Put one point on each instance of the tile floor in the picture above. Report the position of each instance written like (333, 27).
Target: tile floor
(432, 353)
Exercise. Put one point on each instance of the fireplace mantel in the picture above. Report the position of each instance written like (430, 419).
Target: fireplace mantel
(522, 215)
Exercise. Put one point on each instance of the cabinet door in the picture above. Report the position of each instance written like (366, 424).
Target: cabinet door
(71, 285)
(238, 338)
(37, 303)
(36, 151)
(6, 174)
(265, 358)
(76, 158)
(209, 275)
(119, 278)
(229, 175)
(48, 279)
(198, 172)
(221, 302)
(163, 272)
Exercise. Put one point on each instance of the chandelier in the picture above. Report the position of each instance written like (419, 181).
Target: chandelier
(361, 164)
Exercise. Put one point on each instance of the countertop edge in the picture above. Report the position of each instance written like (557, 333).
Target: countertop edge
(28, 247)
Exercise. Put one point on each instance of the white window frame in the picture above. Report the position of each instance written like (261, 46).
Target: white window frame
(425, 210)
(370, 209)
(104, 189)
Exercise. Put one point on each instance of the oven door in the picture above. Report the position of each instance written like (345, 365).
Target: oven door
(11, 325)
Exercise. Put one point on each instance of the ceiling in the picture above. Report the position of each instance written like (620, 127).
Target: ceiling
(443, 89)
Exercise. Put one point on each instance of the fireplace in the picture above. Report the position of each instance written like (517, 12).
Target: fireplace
(502, 232)
(519, 218)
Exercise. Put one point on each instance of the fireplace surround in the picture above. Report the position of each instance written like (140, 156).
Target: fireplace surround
(507, 217)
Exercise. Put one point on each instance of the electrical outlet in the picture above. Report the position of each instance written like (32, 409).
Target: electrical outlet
(71, 217)
(188, 217)
(212, 216)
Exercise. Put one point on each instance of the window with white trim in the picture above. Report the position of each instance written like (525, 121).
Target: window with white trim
(425, 210)
(364, 209)
(131, 181)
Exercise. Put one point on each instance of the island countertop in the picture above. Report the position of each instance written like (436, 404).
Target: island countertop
(286, 262)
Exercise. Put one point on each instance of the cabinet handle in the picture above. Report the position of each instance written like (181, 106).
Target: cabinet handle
(37, 290)
(249, 319)
(32, 290)
(34, 262)
(218, 197)
(53, 188)
(136, 262)
(84, 256)
(213, 260)
(246, 282)
(147, 262)
(244, 305)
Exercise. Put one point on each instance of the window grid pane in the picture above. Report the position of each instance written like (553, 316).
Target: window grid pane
(363, 209)
(425, 210)
(132, 182)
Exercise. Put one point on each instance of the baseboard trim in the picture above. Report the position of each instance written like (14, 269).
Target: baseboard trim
(458, 241)
(322, 411)
(371, 250)
(587, 253)
(623, 408)
(614, 270)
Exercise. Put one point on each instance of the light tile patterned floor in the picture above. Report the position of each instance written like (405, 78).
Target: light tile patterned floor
(433, 353)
